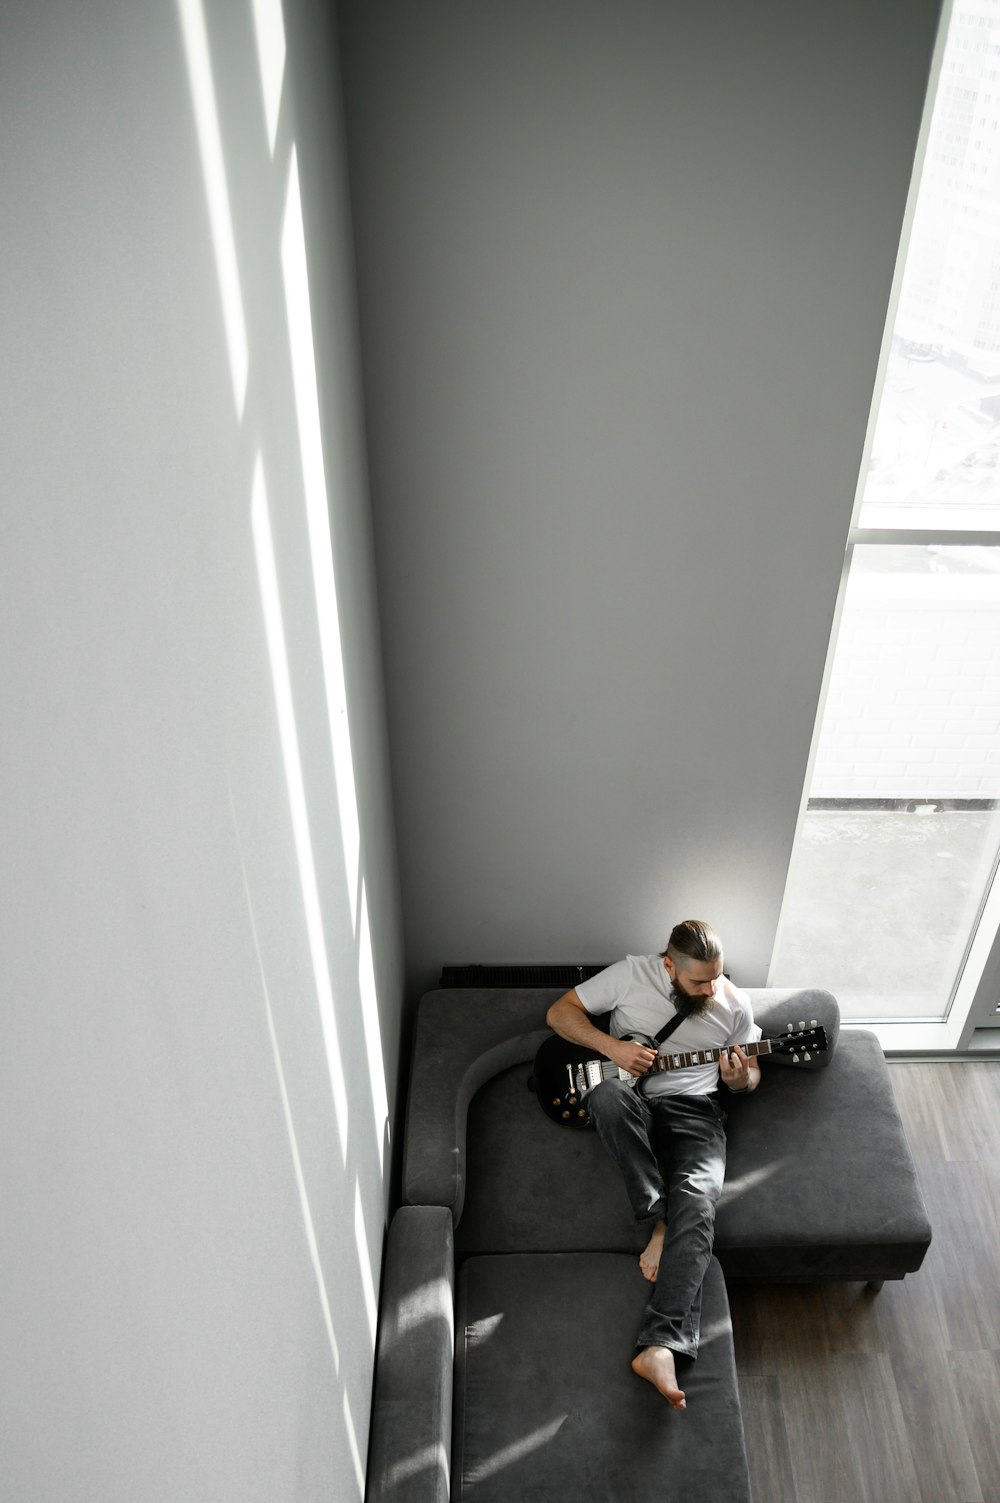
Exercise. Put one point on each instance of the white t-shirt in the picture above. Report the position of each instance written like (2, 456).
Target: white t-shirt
(637, 990)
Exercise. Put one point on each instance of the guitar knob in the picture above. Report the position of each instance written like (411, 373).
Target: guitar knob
(557, 1101)
(572, 1101)
(581, 1112)
(565, 1115)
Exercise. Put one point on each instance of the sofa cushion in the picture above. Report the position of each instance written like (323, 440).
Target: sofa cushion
(819, 1184)
(465, 1036)
(546, 1404)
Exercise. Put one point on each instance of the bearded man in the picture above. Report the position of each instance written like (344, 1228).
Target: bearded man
(667, 1137)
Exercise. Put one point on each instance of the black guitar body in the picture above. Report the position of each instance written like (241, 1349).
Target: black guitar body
(554, 1080)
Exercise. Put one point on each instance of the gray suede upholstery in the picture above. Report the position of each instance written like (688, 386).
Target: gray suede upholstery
(409, 1453)
(820, 1185)
(820, 1181)
(463, 1038)
(547, 1406)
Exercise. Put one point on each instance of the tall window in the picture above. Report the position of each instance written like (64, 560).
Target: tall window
(898, 846)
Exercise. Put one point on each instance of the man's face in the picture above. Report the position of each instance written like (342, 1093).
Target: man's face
(695, 979)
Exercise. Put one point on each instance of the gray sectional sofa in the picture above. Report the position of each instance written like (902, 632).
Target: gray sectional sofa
(511, 1292)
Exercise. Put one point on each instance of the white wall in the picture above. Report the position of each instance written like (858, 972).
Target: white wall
(624, 273)
(202, 963)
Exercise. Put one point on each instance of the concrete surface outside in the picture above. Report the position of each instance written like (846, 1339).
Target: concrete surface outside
(882, 904)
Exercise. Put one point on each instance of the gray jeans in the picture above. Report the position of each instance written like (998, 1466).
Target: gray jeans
(671, 1151)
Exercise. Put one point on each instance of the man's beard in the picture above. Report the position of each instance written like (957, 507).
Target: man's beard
(687, 1006)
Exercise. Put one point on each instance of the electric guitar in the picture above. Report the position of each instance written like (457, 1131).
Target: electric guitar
(564, 1072)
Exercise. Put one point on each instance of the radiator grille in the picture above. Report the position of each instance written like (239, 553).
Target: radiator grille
(517, 975)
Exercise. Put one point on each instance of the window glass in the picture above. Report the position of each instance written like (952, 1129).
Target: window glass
(902, 830)
(935, 457)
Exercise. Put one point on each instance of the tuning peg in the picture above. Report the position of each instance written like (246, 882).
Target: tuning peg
(807, 1055)
(814, 1024)
(802, 1022)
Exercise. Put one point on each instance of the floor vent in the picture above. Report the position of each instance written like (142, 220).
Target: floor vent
(517, 975)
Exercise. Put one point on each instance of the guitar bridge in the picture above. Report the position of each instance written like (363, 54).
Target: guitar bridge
(589, 1075)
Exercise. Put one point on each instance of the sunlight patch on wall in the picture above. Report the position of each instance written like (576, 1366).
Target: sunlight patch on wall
(293, 1142)
(373, 1030)
(275, 631)
(365, 1263)
(296, 278)
(206, 114)
(352, 1441)
(269, 30)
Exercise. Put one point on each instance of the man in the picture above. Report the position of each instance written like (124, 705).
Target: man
(668, 1137)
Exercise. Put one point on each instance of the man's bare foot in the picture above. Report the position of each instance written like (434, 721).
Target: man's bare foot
(649, 1261)
(656, 1365)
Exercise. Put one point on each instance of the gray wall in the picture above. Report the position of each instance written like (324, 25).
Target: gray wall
(624, 271)
(202, 958)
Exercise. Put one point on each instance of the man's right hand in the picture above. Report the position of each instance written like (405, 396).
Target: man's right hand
(634, 1058)
(569, 1018)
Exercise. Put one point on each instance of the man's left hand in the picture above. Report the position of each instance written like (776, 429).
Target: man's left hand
(735, 1068)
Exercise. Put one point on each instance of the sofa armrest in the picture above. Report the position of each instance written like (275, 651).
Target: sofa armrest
(409, 1459)
(462, 1039)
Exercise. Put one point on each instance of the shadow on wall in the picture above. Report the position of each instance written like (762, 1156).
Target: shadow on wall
(255, 213)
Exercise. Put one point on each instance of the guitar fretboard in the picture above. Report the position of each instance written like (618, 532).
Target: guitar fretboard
(596, 1070)
(703, 1057)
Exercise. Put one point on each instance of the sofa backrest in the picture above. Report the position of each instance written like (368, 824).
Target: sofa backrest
(483, 1040)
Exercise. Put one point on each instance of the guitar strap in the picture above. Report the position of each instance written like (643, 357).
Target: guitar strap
(668, 1028)
(664, 1033)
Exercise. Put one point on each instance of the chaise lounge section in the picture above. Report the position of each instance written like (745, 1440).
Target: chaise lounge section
(521, 1229)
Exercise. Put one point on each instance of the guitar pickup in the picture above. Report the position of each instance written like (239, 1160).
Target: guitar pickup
(589, 1075)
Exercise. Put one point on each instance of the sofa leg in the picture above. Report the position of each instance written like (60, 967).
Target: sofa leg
(875, 1285)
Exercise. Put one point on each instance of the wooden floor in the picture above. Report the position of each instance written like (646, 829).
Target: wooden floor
(855, 1397)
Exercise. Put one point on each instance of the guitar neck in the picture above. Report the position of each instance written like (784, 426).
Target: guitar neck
(705, 1057)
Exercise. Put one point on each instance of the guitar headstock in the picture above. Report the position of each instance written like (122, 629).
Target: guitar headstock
(801, 1041)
